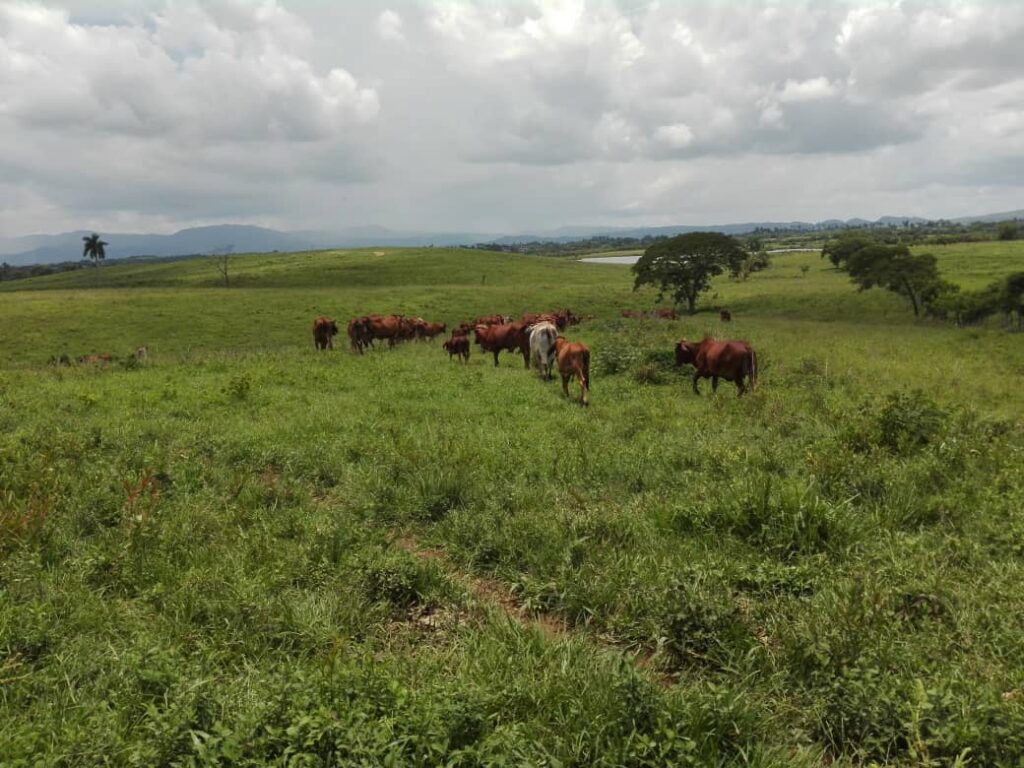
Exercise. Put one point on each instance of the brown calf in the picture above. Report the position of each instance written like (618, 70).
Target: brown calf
(573, 359)
(457, 345)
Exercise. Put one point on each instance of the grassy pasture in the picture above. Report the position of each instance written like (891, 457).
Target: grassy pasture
(198, 562)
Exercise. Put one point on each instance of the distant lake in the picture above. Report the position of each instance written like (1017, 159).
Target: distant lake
(612, 259)
(634, 258)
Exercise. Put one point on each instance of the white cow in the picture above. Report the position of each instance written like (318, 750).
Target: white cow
(542, 347)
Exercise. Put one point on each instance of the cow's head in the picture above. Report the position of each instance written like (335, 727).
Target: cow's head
(334, 328)
(685, 352)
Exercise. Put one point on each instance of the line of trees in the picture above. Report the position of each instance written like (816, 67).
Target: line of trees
(916, 277)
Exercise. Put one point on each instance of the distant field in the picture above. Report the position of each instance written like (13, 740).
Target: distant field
(245, 552)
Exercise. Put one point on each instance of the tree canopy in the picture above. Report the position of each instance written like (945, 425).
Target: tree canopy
(683, 266)
(915, 277)
(840, 249)
(94, 248)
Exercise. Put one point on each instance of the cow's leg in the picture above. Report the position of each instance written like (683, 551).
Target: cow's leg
(714, 383)
(740, 387)
(583, 388)
(696, 378)
(565, 385)
(496, 357)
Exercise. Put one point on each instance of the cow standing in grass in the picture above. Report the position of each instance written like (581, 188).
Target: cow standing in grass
(542, 347)
(510, 336)
(324, 330)
(458, 344)
(712, 359)
(573, 360)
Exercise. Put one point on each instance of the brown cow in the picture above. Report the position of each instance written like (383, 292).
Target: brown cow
(458, 344)
(560, 317)
(725, 316)
(729, 360)
(429, 330)
(324, 328)
(666, 313)
(358, 334)
(573, 360)
(470, 325)
(101, 359)
(391, 327)
(507, 336)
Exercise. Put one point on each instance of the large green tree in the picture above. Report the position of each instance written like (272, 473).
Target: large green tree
(94, 248)
(841, 248)
(683, 266)
(894, 267)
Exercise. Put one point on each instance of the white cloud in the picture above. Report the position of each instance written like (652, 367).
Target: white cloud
(232, 72)
(676, 136)
(806, 90)
(509, 114)
(389, 26)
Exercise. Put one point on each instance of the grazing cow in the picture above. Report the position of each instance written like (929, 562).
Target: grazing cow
(324, 330)
(510, 336)
(542, 347)
(430, 330)
(357, 334)
(561, 318)
(391, 327)
(729, 360)
(95, 359)
(141, 354)
(458, 344)
(666, 313)
(573, 360)
(470, 325)
(725, 316)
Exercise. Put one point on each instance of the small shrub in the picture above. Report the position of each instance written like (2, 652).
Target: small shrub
(702, 624)
(398, 580)
(616, 359)
(909, 420)
(238, 387)
(648, 373)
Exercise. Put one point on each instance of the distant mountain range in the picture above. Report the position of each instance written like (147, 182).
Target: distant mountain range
(67, 246)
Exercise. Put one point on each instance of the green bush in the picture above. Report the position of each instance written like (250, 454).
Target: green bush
(909, 420)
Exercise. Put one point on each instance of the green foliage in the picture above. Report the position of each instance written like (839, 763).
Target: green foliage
(94, 248)
(910, 420)
(839, 250)
(683, 266)
(206, 559)
(915, 276)
(1008, 230)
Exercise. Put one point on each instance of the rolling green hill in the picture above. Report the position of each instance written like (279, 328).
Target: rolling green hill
(244, 552)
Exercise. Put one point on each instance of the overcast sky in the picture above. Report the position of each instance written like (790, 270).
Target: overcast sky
(504, 115)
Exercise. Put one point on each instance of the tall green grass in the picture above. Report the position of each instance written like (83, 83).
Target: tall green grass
(197, 564)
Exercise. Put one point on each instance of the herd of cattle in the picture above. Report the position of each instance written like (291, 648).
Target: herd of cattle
(537, 336)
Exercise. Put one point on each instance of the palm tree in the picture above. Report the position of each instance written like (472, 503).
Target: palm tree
(94, 249)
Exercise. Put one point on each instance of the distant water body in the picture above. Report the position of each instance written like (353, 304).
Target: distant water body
(635, 258)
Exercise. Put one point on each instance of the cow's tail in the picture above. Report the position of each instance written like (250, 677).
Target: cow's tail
(586, 367)
(751, 366)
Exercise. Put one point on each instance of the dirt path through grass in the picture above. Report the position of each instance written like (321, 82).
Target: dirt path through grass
(488, 591)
